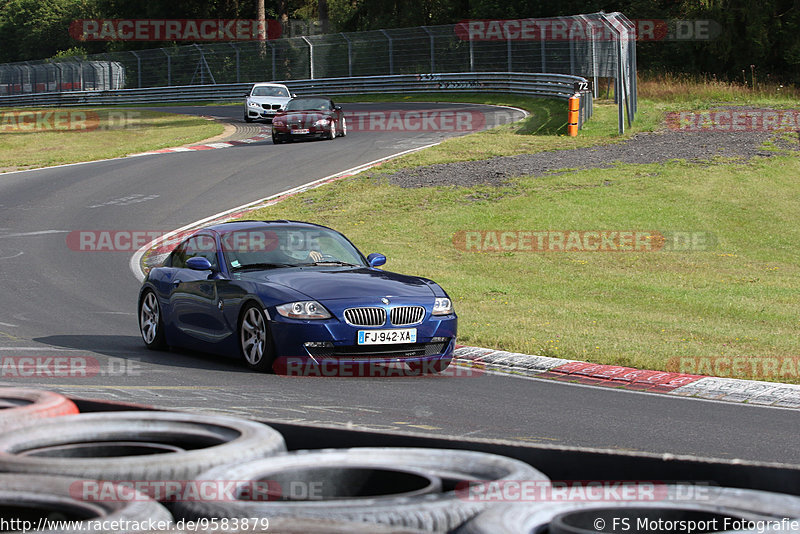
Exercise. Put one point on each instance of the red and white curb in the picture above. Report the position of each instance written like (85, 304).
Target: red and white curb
(680, 384)
(210, 146)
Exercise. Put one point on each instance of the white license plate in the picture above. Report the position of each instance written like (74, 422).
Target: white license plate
(300, 131)
(385, 337)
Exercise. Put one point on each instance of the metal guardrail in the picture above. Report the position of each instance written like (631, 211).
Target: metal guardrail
(531, 84)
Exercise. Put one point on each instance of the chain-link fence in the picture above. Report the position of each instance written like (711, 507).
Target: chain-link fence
(594, 46)
(73, 74)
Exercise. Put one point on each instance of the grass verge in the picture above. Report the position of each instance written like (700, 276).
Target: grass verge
(640, 309)
(87, 134)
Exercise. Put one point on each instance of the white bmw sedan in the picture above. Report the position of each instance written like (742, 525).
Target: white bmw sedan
(265, 100)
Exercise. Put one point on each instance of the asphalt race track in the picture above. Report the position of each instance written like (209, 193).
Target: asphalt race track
(58, 302)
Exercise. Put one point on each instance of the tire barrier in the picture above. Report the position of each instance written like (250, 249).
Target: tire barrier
(379, 485)
(715, 507)
(47, 502)
(21, 406)
(133, 447)
(117, 465)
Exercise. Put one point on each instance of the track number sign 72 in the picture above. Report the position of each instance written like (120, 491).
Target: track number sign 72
(580, 87)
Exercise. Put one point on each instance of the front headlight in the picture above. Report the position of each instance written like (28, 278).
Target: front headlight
(253, 104)
(321, 122)
(442, 306)
(309, 309)
(277, 122)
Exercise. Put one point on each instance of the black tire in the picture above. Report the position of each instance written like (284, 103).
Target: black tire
(151, 322)
(437, 511)
(247, 118)
(21, 407)
(38, 497)
(343, 129)
(430, 368)
(138, 446)
(332, 131)
(255, 340)
(548, 516)
(276, 140)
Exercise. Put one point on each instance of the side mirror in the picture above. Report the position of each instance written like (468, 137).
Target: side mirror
(337, 108)
(198, 263)
(294, 95)
(376, 260)
(246, 95)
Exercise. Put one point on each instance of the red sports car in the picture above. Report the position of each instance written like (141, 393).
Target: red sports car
(308, 117)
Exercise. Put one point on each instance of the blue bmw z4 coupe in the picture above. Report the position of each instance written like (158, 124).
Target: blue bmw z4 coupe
(288, 293)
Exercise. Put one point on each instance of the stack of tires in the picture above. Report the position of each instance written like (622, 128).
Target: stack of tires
(152, 471)
(715, 509)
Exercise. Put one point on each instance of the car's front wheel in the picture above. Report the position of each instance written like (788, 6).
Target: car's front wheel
(332, 132)
(344, 127)
(276, 140)
(247, 118)
(151, 324)
(254, 339)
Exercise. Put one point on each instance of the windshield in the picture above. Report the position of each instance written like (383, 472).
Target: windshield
(270, 91)
(307, 104)
(287, 246)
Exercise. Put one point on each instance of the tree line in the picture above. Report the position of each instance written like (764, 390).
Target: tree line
(754, 39)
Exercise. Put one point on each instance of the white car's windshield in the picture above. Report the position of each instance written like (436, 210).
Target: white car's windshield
(270, 91)
(308, 104)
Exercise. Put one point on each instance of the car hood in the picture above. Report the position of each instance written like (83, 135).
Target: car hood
(294, 116)
(320, 283)
(269, 99)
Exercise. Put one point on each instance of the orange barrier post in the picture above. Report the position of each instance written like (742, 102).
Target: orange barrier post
(572, 120)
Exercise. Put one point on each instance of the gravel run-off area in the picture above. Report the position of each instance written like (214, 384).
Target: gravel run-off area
(651, 147)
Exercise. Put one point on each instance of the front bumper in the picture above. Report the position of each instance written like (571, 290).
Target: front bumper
(313, 133)
(332, 339)
(260, 113)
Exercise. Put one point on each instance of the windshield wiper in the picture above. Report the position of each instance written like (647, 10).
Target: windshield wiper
(331, 262)
(261, 266)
